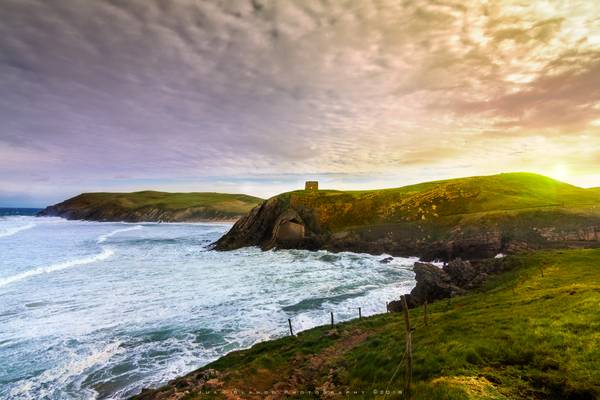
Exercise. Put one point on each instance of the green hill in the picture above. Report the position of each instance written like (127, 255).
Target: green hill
(469, 217)
(154, 206)
(530, 333)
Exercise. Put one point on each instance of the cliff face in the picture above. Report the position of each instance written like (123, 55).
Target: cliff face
(153, 206)
(274, 224)
(442, 220)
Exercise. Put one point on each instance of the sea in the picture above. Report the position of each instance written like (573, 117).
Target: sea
(100, 310)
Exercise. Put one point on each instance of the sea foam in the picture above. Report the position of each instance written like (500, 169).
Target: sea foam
(163, 304)
(50, 382)
(106, 253)
(6, 232)
(103, 238)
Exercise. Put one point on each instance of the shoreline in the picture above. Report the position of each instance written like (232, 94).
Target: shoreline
(427, 285)
(472, 347)
(207, 221)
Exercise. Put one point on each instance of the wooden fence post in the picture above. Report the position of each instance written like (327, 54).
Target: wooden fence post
(332, 319)
(359, 313)
(408, 375)
(290, 324)
(387, 307)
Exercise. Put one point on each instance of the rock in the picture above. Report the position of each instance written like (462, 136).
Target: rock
(396, 305)
(273, 224)
(386, 260)
(432, 284)
(288, 231)
(456, 278)
(461, 273)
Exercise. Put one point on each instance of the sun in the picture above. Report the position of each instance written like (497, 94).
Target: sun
(560, 171)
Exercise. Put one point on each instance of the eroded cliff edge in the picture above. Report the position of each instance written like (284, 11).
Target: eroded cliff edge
(471, 218)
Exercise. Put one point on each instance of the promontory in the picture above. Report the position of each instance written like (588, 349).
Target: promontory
(154, 206)
(475, 217)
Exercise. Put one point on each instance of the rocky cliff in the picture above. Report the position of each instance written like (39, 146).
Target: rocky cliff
(455, 278)
(154, 206)
(471, 218)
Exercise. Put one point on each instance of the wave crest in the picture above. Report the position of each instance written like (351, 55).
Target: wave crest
(103, 238)
(106, 253)
(6, 232)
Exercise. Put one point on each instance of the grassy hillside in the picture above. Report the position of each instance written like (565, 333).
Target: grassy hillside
(475, 217)
(438, 199)
(532, 333)
(151, 206)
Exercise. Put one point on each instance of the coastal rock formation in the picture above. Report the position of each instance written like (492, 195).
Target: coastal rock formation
(463, 274)
(153, 206)
(470, 218)
(454, 279)
(273, 224)
(433, 284)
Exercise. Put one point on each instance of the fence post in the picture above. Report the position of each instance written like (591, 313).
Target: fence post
(290, 324)
(387, 307)
(359, 313)
(332, 319)
(408, 375)
(425, 311)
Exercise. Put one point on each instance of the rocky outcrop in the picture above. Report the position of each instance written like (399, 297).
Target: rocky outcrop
(454, 279)
(273, 224)
(278, 223)
(463, 274)
(433, 284)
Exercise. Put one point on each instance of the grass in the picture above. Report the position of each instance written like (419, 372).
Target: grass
(435, 202)
(172, 201)
(531, 333)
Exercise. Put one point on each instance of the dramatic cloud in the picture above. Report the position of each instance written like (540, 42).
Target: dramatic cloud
(256, 95)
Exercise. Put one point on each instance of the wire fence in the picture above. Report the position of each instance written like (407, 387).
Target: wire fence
(406, 358)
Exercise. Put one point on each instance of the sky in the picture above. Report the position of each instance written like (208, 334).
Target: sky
(257, 96)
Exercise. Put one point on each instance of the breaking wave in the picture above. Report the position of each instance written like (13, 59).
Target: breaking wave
(50, 383)
(104, 237)
(106, 253)
(6, 232)
(160, 304)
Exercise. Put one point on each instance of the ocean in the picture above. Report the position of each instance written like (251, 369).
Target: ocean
(94, 310)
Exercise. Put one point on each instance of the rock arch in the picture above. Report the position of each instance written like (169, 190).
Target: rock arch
(289, 229)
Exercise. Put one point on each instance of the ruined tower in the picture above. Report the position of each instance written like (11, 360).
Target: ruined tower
(311, 186)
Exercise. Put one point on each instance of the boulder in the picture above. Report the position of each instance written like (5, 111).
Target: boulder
(461, 273)
(396, 305)
(433, 283)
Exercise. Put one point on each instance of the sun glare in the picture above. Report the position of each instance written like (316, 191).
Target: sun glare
(560, 172)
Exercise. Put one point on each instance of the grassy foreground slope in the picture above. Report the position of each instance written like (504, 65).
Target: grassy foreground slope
(468, 217)
(531, 333)
(154, 206)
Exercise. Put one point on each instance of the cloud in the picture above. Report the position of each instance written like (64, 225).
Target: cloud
(150, 89)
